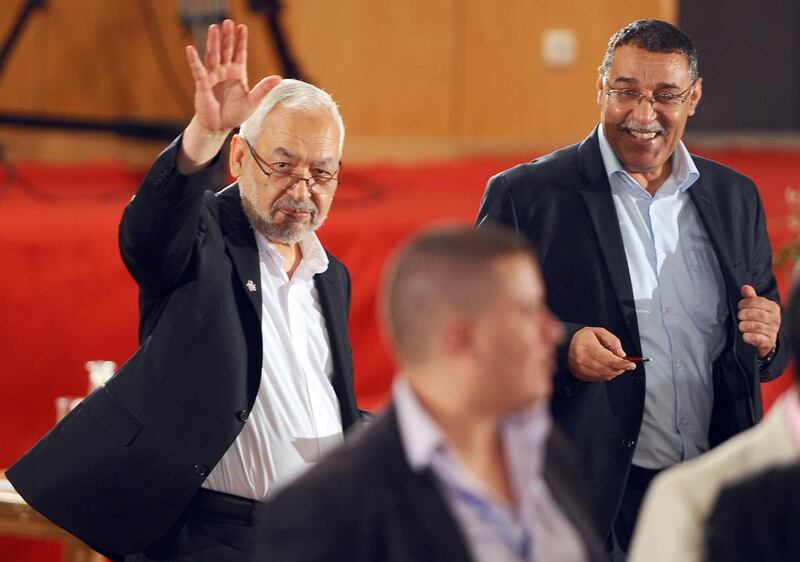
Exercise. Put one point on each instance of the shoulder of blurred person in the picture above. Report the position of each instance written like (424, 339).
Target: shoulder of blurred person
(361, 503)
(757, 518)
(670, 525)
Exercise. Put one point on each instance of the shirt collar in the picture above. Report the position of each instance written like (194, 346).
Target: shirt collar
(524, 432)
(314, 261)
(421, 436)
(684, 171)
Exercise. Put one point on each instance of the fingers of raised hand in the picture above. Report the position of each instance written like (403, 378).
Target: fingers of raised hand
(199, 73)
(262, 88)
(240, 46)
(213, 47)
(229, 36)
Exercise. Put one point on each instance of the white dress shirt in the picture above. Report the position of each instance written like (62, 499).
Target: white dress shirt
(495, 531)
(295, 418)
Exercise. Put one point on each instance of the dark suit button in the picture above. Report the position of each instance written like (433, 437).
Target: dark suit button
(201, 469)
(637, 379)
(243, 415)
(628, 443)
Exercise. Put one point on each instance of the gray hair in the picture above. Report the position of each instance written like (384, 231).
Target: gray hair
(294, 94)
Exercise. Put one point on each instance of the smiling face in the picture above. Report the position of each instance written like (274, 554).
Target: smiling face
(642, 136)
(303, 141)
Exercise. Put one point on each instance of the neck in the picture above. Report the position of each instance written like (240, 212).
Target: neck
(292, 256)
(653, 179)
(474, 435)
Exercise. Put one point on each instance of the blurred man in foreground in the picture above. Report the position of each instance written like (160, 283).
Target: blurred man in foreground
(465, 464)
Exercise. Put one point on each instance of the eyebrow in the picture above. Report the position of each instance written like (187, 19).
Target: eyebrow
(280, 151)
(633, 81)
(288, 154)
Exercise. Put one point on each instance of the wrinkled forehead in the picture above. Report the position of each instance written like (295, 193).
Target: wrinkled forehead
(299, 133)
(640, 66)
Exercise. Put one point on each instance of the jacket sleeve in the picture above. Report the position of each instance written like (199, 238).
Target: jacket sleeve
(763, 280)
(160, 224)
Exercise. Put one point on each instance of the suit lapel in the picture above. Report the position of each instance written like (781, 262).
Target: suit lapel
(429, 529)
(714, 223)
(333, 309)
(600, 206)
(241, 244)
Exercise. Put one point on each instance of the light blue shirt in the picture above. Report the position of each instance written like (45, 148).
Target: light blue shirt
(680, 304)
(495, 531)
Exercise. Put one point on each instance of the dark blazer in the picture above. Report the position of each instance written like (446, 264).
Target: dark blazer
(562, 203)
(757, 519)
(364, 503)
(118, 471)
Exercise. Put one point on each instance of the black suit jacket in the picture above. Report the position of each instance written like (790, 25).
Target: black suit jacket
(364, 503)
(562, 203)
(757, 519)
(118, 471)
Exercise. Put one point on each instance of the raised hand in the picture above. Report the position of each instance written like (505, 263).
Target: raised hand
(596, 355)
(222, 98)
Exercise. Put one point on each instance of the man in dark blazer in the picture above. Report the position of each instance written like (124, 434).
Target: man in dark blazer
(464, 465)
(238, 300)
(647, 250)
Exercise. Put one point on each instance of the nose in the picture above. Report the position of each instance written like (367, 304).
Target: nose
(299, 189)
(644, 110)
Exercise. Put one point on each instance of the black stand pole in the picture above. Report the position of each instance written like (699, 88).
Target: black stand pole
(272, 10)
(24, 14)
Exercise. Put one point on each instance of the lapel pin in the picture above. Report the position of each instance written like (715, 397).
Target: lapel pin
(251, 286)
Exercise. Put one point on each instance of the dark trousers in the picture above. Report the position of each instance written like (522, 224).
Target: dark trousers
(215, 527)
(638, 481)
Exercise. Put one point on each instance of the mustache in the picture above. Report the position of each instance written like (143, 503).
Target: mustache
(633, 125)
(286, 203)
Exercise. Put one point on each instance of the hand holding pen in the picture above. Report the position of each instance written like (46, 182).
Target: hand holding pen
(596, 355)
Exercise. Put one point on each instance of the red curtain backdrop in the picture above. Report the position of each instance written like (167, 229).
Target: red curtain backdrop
(65, 296)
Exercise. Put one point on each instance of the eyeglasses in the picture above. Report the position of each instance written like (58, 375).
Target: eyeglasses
(283, 178)
(626, 98)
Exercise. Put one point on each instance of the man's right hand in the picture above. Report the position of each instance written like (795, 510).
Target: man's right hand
(596, 355)
(222, 99)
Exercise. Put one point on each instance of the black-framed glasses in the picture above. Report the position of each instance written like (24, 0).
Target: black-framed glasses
(628, 98)
(283, 177)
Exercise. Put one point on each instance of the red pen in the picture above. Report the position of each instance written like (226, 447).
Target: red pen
(633, 359)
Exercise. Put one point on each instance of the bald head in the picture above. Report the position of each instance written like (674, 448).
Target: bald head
(441, 273)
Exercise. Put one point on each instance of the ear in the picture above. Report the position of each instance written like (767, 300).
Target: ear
(457, 336)
(237, 155)
(599, 85)
(694, 99)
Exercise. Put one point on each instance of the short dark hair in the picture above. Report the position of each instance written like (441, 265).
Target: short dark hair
(441, 272)
(656, 36)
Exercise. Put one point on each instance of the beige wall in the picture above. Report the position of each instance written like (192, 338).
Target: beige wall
(415, 78)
